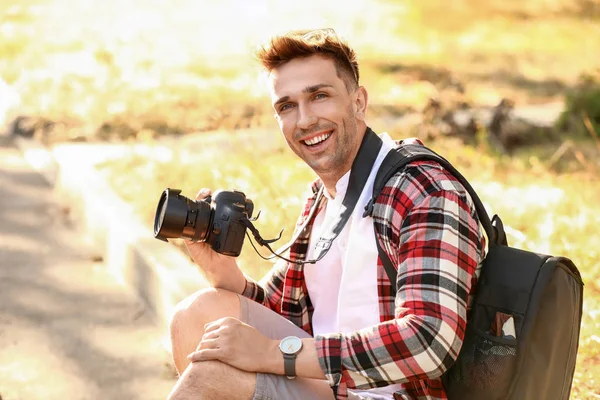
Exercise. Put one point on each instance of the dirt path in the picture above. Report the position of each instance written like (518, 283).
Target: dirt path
(67, 330)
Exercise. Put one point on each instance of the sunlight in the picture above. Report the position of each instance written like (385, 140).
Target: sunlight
(522, 197)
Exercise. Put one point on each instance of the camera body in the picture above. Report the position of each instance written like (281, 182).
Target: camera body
(227, 233)
(216, 220)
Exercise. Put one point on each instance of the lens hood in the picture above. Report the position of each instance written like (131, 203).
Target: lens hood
(171, 215)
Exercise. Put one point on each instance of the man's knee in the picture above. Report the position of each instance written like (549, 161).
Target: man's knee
(190, 316)
(205, 306)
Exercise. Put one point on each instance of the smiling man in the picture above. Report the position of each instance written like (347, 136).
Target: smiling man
(320, 110)
(336, 328)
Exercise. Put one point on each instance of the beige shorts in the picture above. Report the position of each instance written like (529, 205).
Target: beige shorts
(271, 387)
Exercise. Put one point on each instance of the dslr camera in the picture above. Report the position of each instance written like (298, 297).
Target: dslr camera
(219, 220)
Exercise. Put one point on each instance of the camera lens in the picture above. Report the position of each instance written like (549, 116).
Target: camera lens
(179, 217)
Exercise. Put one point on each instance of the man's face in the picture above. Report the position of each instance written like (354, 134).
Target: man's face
(317, 115)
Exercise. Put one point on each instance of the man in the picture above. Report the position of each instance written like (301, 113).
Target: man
(336, 324)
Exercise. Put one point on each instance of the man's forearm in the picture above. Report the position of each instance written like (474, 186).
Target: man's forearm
(231, 279)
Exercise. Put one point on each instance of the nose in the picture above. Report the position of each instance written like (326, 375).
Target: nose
(306, 118)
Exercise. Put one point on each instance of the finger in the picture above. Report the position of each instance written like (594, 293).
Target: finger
(205, 355)
(212, 326)
(210, 335)
(412, 140)
(208, 344)
(203, 193)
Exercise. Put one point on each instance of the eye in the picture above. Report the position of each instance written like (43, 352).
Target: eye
(285, 107)
(320, 96)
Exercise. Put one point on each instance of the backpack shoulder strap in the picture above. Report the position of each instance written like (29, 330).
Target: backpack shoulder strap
(395, 161)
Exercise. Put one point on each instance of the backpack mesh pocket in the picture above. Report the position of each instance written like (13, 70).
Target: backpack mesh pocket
(485, 368)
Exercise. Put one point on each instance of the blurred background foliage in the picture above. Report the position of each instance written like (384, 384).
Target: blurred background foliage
(508, 90)
(582, 111)
(99, 70)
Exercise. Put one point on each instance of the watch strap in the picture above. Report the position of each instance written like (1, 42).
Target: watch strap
(289, 365)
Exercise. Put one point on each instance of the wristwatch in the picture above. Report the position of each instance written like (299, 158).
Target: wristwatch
(290, 346)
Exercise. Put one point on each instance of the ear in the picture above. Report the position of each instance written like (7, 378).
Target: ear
(360, 103)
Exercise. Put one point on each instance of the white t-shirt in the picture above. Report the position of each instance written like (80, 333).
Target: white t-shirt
(343, 285)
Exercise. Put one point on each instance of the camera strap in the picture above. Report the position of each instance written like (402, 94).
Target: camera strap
(359, 174)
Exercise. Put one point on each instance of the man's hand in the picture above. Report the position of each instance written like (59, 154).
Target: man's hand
(240, 345)
(220, 270)
(201, 252)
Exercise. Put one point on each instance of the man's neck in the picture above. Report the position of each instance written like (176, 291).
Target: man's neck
(330, 185)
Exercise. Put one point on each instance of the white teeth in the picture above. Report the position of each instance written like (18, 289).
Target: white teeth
(317, 139)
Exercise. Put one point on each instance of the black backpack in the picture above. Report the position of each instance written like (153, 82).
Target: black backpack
(542, 294)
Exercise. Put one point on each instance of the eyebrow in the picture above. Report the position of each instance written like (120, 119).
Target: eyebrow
(308, 89)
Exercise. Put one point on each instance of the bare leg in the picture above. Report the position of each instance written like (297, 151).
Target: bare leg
(216, 380)
(213, 380)
(187, 324)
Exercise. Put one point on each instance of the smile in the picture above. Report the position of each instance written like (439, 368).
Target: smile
(317, 139)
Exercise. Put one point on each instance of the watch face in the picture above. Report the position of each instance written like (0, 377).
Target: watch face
(290, 345)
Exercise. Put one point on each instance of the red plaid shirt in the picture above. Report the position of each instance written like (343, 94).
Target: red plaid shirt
(428, 226)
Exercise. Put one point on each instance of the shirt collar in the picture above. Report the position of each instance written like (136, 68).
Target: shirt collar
(340, 187)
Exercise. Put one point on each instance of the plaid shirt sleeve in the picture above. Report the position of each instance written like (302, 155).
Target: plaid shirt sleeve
(269, 291)
(429, 229)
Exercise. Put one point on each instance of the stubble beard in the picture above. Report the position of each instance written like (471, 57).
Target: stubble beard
(336, 163)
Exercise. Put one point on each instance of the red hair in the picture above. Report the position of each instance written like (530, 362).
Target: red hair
(305, 43)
